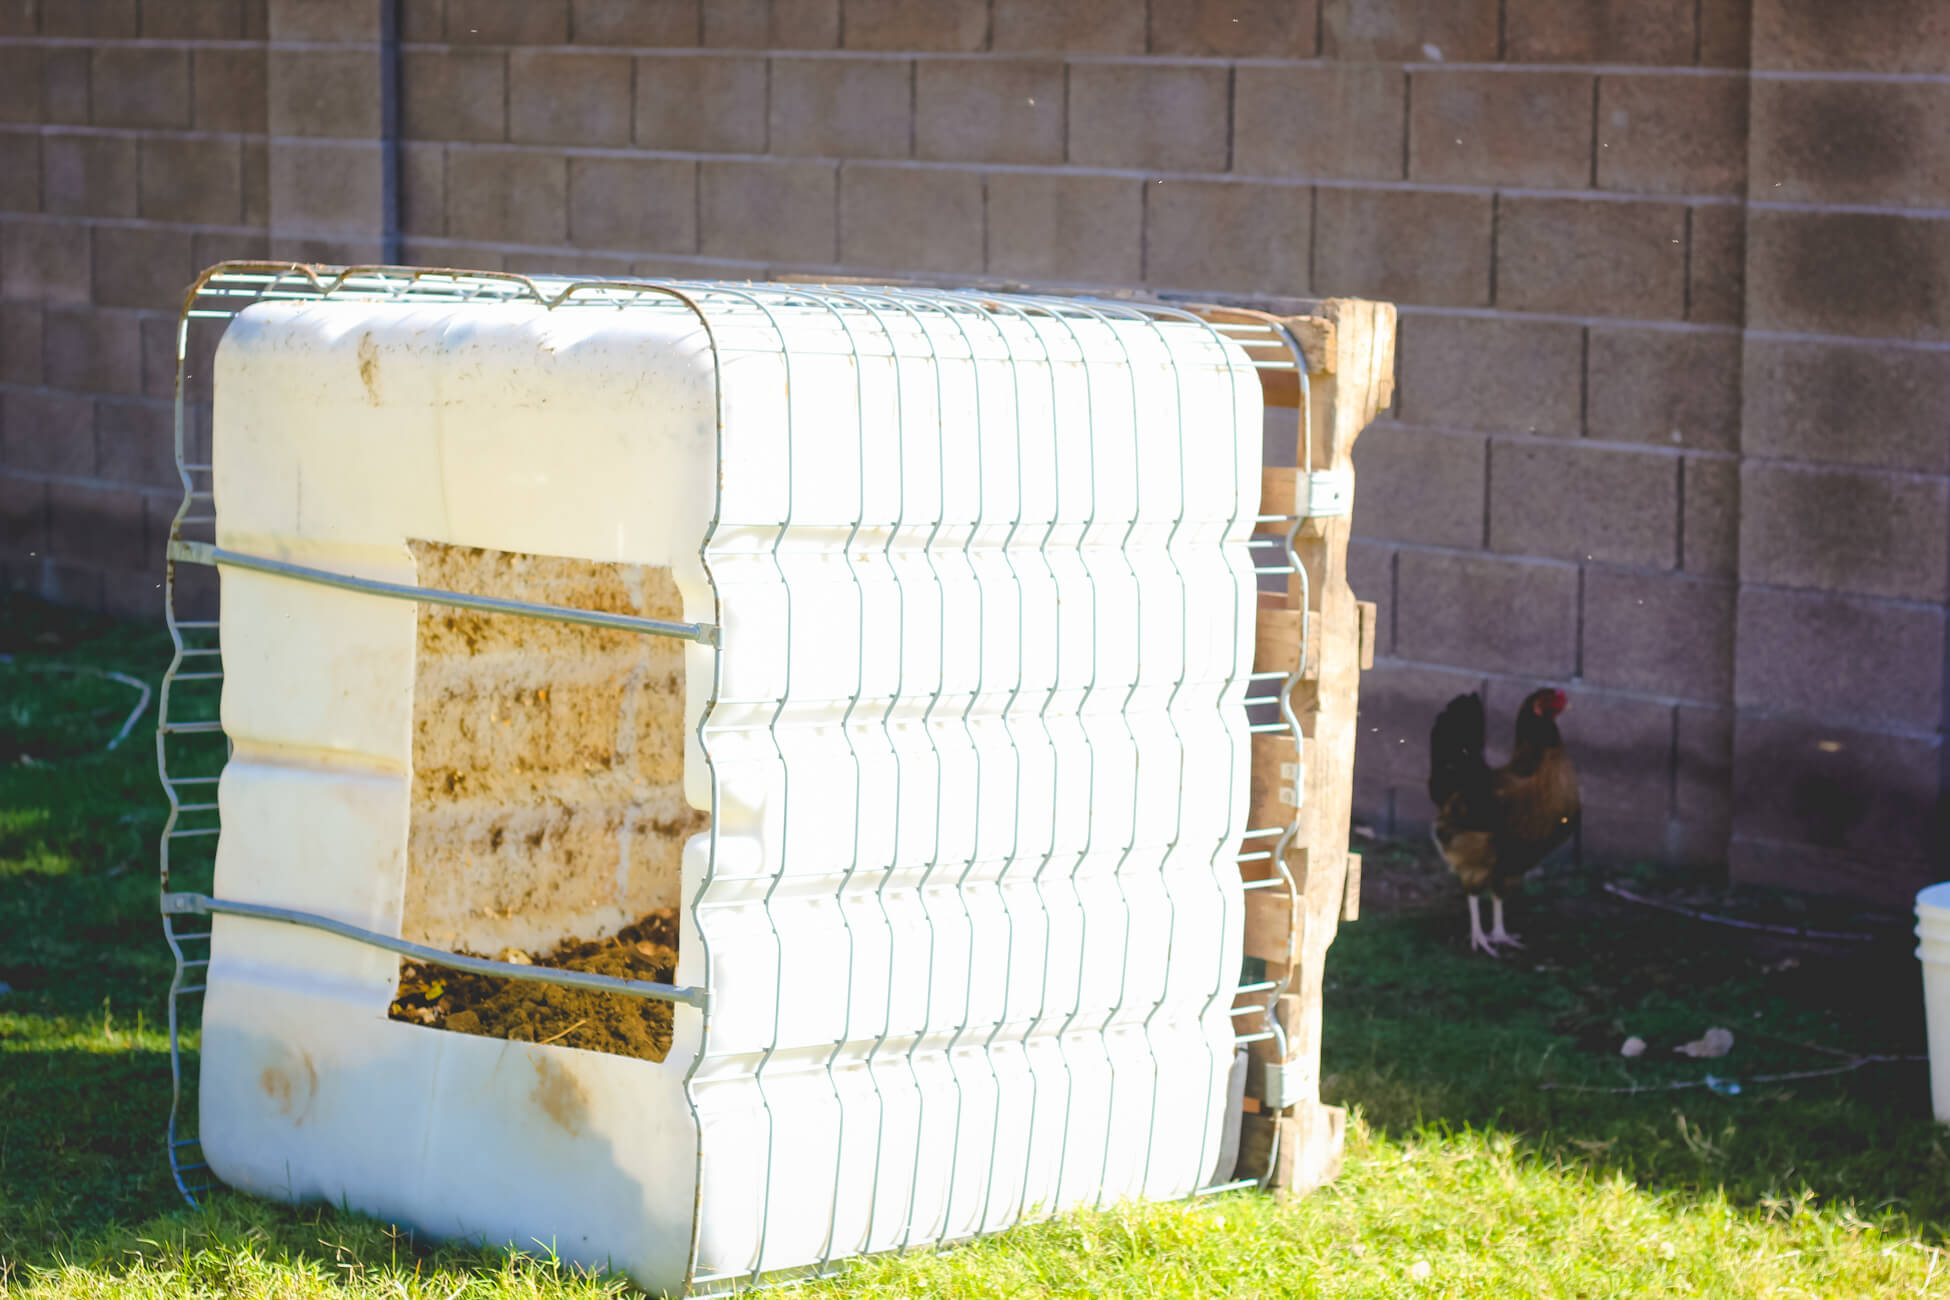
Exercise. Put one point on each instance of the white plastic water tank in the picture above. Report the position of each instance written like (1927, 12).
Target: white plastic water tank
(973, 741)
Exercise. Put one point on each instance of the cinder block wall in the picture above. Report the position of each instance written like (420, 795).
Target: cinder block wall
(1674, 279)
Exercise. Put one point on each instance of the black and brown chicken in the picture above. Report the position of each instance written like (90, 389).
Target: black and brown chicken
(1493, 824)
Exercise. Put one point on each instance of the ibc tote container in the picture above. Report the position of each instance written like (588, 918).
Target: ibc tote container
(913, 630)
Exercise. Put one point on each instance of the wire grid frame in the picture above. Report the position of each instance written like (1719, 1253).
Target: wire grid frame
(192, 745)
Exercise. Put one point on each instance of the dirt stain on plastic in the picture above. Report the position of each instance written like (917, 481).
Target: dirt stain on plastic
(369, 367)
(560, 1095)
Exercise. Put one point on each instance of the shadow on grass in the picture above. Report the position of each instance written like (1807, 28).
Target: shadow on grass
(1418, 1030)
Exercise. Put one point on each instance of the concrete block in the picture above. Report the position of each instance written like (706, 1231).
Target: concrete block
(142, 266)
(1726, 33)
(701, 103)
(323, 20)
(773, 24)
(458, 94)
(1710, 524)
(190, 20)
(1716, 277)
(1876, 275)
(22, 179)
(509, 196)
(1371, 575)
(20, 343)
(1876, 143)
(48, 433)
(1280, 29)
(1052, 227)
(1703, 773)
(423, 189)
(633, 204)
(842, 108)
(1461, 31)
(1419, 486)
(64, 84)
(23, 520)
(1339, 121)
(572, 99)
(1591, 257)
(1891, 882)
(901, 218)
(194, 180)
(1500, 127)
(1839, 658)
(1226, 235)
(422, 21)
(960, 26)
(1663, 387)
(1862, 793)
(508, 22)
(635, 22)
(230, 89)
(1422, 247)
(327, 188)
(1162, 116)
(989, 110)
(101, 527)
(135, 442)
(1659, 634)
(145, 86)
(88, 175)
(1857, 403)
(740, 203)
(1900, 36)
(1870, 532)
(1672, 135)
(1479, 372)
(1599, 31)
(1455, 610)
(255, 157)
(20, 84)
(92, 351)
(328, 93)
(98, 19)
(46, 261)
(1076, 26)
(1583, 503)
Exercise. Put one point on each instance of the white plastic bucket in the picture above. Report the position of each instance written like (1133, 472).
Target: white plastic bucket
(1933, 950)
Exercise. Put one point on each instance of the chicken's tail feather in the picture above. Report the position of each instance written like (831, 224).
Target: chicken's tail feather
(1456, 747)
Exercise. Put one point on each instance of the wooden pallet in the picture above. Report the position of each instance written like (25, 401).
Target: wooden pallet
(1350, 348)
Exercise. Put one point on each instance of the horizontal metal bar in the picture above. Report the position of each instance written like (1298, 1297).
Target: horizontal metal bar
(1254, 857)
(189, 728)
(188, 989)
(1266, 727)
(188, 1169)
(194, 832)
(197, 677)
(1263, 986)
(185, 1142)
(196, 807)
(212, 780)
(1244, 1039)
(1273, 882)
(203, 553)
(204, 905)
(1238, 1185)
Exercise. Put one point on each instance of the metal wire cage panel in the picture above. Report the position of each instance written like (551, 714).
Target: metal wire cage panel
(968, 628)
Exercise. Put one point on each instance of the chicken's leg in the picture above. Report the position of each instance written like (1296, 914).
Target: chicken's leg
(1497, 933)
(1478, 941)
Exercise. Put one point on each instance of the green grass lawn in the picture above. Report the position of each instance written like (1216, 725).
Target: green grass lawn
(1465, 1174)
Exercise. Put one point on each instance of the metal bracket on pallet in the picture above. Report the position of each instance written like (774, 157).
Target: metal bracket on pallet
(1330, 492)
(1281, 1084)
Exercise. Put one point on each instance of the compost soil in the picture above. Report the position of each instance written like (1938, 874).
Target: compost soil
(496, 1007)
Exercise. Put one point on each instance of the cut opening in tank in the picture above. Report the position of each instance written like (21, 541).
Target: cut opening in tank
(548, 817)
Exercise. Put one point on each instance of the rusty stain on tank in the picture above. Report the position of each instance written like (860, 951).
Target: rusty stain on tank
(369, 367)
(292, 1098)
(560, 1095)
